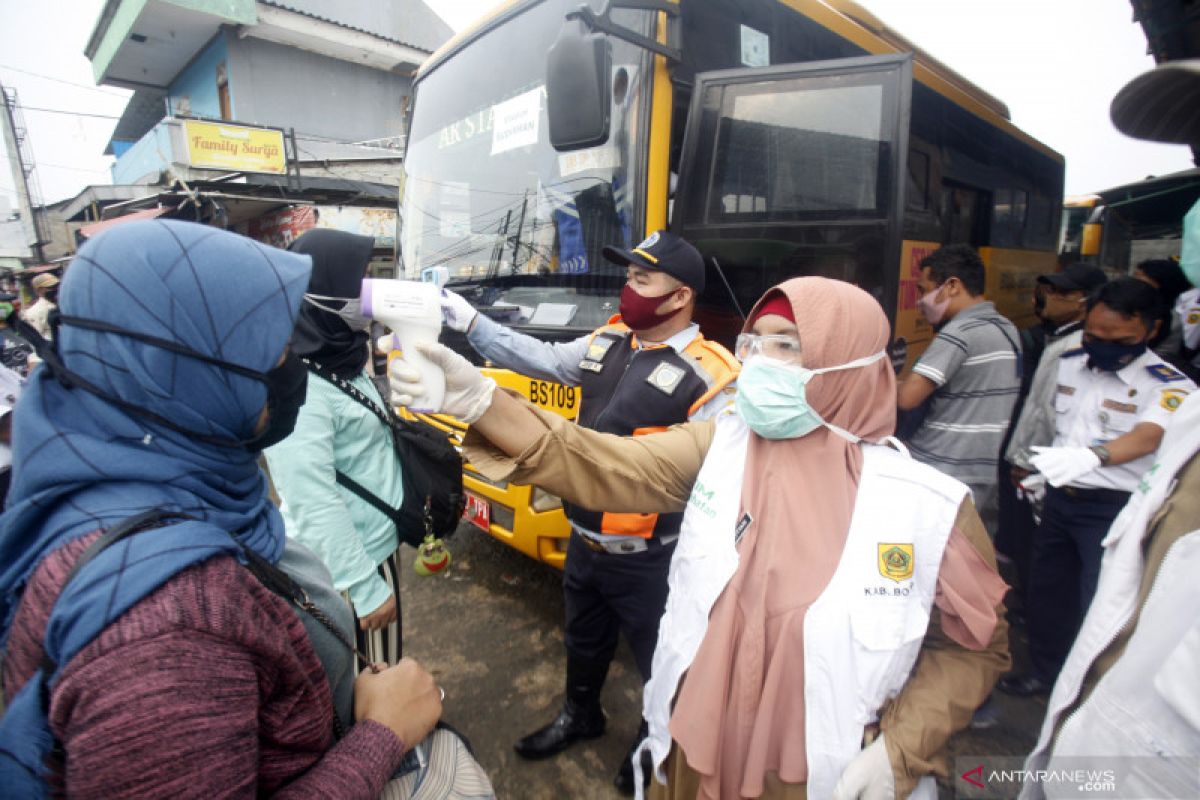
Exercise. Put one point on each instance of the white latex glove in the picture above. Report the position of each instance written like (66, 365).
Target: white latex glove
(1033, 488)
(457, 313)
(869, 776)
(1061, 465)
(468, 393)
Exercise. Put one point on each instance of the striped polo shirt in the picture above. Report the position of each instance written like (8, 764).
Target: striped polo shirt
(975, 364)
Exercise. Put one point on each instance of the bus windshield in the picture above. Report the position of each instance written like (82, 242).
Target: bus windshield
(518, 226)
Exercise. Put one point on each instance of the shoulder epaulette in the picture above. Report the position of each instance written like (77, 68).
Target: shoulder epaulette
(705, 349)
(1075, 351)
(1165, 373)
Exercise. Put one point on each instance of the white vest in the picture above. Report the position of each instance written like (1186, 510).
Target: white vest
(1147, 704)
(861, 635)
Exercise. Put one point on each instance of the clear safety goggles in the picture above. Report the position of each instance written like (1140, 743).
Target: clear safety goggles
(779, 346)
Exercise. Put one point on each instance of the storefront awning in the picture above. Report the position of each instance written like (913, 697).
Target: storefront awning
(91, 229)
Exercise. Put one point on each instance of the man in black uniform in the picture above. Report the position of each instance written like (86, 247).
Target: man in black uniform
(646, 370)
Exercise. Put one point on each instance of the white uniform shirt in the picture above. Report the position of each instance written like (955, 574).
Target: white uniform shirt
(1094, 407)
(1187, 309)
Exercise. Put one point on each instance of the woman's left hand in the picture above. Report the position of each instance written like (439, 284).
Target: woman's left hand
(869, 776)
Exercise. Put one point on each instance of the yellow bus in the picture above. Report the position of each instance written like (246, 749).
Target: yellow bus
(1120, 227)
(782, 137)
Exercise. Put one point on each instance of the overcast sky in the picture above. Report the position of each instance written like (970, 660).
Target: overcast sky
(1056, 63)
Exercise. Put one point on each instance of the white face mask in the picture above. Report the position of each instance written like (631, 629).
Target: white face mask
(350, 310)
(772, 397)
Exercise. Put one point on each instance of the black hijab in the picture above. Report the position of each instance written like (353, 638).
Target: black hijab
(340, 262)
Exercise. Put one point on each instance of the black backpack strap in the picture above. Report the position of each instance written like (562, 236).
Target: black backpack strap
(369, 497)
(316, 369)
(1016, 348)
(123, 529)
(363, 493)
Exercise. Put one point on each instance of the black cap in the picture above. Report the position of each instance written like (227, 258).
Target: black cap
(1076, 277)
(665, 252)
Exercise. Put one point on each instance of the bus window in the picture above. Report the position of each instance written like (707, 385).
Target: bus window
(794, 172)
(964, 215)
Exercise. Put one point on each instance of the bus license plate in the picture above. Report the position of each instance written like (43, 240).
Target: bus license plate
(478, 512)
(553, 396)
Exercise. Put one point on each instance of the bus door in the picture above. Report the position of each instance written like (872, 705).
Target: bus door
(795, 170)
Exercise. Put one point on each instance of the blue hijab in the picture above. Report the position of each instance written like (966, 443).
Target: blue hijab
(82, 464)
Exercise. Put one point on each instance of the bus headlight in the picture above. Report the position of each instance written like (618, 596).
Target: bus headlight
(541, 500)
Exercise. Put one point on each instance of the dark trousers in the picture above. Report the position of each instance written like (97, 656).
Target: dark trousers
(1014, 537)
(1064, 571)
(606, 593)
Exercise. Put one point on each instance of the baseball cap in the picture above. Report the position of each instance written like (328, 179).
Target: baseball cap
(44, 281)
(665, 252)
(1160, 105)
(1076, 277)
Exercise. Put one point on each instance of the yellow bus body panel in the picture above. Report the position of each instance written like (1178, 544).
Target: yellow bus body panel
(541, 535)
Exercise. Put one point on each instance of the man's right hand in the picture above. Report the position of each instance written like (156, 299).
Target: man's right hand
(457, 313)
(404, 698)
(381, 617)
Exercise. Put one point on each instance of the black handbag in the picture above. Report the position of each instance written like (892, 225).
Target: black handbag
(430, 468)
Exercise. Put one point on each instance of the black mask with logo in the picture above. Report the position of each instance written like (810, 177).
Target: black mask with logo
(1112, 356)
(286, 382)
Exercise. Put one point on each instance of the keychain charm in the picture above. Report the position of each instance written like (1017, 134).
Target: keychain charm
(432, 557)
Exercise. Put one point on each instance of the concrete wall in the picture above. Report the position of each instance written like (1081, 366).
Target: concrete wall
(194, 90)
(143, 162)
(320, 96)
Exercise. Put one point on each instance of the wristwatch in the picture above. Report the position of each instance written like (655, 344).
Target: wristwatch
(1101, 453)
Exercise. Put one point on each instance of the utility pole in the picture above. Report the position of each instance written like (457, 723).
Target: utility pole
(20, 158)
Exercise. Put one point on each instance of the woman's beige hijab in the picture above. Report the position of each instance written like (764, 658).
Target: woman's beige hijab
(740, 710)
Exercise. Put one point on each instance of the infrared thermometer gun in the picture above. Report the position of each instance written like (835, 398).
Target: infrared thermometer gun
(413, 311)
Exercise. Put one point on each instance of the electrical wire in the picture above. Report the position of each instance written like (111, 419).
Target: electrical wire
(60, 80)
(24, 107)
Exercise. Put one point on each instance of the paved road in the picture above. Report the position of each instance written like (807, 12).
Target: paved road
(491, 630)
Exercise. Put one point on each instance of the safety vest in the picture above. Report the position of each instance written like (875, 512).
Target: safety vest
(629, 389)
(863, 633)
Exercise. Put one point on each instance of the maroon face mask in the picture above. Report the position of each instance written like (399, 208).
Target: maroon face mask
(639, 313)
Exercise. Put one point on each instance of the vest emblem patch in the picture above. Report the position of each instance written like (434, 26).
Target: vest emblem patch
(666, 378)
(596, 351)
(895, 561)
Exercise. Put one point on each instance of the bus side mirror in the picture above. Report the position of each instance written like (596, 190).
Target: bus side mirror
(578, 87)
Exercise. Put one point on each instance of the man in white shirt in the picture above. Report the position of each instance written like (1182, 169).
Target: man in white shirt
(1113, 400)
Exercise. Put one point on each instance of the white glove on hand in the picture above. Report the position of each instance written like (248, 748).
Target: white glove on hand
(869, 776)
(468, 393)
(1061, 465)
(1033, 489)
(457, 313)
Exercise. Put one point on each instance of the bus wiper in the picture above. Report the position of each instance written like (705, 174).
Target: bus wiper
(729, 289)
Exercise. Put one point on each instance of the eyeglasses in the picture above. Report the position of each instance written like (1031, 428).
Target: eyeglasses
(781, 347)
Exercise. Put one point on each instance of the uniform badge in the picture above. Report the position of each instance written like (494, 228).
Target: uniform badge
(597, 349)
(1172, 399)
(649, 242)
(895, 561)
(1164, 373)
(1117, 405)
(1193, 317)
(666, 378)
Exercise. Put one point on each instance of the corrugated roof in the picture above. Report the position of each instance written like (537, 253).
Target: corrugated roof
(143, 111)
(410, 23)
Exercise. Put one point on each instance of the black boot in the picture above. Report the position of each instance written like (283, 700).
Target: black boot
(581, 716)
(624, 779)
